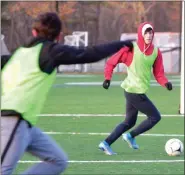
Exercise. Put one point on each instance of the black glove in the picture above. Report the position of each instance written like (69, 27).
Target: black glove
(169, 86)
(106, 84)
(129, 44)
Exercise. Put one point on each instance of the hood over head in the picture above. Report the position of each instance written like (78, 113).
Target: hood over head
(145, 48)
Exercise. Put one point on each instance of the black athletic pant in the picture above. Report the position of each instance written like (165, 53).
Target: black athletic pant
(135, 103)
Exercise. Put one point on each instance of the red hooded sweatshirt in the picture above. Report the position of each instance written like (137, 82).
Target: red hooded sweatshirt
(125, 56)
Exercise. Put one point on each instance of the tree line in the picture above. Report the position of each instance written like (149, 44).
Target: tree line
(104, 20)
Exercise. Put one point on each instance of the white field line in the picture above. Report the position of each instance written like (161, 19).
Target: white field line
(93, 75)
(95, 133)
(176, 82)
(113, 161)
(103, 115)
(152, 81)
(112, 82)
(100, 83)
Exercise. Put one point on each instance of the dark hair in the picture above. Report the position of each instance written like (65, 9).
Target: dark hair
(148, 29)
(48, 25)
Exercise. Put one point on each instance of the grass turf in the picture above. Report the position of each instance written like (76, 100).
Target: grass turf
(95, 100)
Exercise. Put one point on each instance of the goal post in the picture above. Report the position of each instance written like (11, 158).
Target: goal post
(182, 64)
(4, 49)
(82, 41)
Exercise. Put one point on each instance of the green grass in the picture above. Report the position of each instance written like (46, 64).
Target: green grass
(96, 100)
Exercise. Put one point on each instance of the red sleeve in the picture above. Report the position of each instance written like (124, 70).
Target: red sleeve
(158, 70)
(111, 63)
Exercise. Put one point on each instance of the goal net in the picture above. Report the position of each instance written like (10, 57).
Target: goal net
(78, 38)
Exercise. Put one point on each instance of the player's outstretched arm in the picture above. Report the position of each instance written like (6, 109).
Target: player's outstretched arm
(63, 54)
(158, 71)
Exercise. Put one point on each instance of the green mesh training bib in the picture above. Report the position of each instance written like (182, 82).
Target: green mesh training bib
(139, 72)
(24, 85)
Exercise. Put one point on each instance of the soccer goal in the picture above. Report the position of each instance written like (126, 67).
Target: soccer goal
(78, 38)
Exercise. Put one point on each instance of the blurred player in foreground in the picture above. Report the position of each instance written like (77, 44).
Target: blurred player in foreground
(27, 76)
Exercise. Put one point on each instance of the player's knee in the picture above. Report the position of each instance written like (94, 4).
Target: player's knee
(156, 118)
(130, 124)
(62, 162)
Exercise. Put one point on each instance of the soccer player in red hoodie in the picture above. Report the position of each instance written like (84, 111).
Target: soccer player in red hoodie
(140, 61)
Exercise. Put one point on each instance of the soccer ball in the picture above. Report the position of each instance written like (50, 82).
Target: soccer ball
(174, 147)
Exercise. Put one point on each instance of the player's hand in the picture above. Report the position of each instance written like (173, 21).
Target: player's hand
(129, 44)
(106, 84)
(169, 86)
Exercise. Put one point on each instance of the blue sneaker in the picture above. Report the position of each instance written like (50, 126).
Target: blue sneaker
(104, 146)
(131, 141)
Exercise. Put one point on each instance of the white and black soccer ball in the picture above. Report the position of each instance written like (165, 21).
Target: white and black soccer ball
(174, 147)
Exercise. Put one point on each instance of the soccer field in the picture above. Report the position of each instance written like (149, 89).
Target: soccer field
(79, 114)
